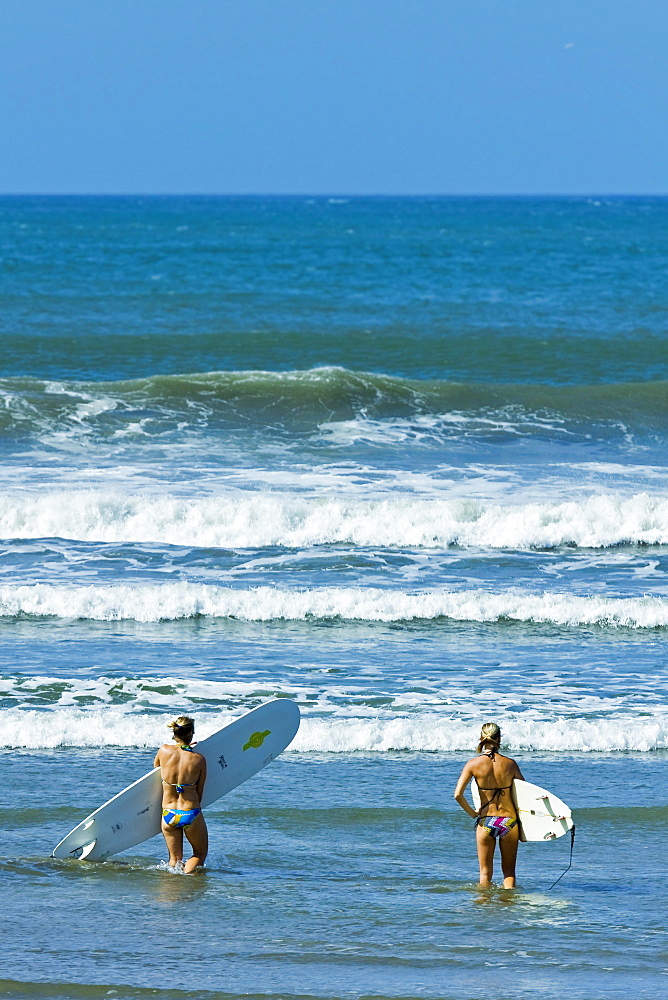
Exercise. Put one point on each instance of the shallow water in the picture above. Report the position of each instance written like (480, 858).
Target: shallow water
(343, 875)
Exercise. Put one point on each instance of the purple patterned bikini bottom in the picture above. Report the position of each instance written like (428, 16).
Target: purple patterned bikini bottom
(496, 826)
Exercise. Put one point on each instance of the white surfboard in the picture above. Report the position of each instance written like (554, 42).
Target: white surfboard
(542, 816)
(233, 754)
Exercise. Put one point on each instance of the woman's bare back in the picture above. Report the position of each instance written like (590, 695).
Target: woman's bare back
(494, 776)
(183, 773)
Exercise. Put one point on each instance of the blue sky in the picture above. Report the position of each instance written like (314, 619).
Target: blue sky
(328, 96)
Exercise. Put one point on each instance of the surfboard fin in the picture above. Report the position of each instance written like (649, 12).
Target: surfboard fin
(87, 850)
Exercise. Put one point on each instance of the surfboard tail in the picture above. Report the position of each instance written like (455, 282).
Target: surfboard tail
(542, 815)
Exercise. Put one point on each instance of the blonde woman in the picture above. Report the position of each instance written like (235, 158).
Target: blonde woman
(183, 772)
(497, 817)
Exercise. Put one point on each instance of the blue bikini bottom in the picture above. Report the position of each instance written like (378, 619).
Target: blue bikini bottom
(179, 817)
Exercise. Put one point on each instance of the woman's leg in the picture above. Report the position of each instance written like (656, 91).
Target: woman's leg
(174, 840)
(198, 837)
(508, 845)
(485, 845)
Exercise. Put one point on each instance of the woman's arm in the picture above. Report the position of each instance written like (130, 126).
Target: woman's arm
(156, 762)
(462, 784)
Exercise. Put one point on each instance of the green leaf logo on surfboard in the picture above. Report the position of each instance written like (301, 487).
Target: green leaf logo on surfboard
(257, 739)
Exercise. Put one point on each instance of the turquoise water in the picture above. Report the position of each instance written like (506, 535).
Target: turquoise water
(400, 460)
(344, 876)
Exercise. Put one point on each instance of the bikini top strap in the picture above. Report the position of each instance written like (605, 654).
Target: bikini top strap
(496, 793)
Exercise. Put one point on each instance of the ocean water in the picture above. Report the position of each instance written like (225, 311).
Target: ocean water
(400, 460)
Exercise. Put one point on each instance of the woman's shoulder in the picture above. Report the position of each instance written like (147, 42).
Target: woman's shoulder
(511, 766)
(473, 761)
(482, 760)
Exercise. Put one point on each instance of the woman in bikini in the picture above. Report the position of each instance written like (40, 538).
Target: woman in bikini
(497, 817)
(183, 772)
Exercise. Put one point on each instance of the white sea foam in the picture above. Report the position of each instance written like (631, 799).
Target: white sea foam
(337, 716)
(444, 734)
(245, 519)
(71, 727)
(171, 601)
(433, 428)
(360, 694)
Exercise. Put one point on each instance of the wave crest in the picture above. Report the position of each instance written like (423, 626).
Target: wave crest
(172, 601)
(252, 520)
(426, 733)
(305, 400)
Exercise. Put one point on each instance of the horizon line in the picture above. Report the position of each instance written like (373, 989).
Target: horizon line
(326, 194)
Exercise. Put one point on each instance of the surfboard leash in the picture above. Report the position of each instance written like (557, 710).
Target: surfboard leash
(570, 859)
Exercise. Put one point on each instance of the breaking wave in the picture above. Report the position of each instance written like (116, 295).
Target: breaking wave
(308, 399)
(429, 732)
(172, 601)
(254, 520)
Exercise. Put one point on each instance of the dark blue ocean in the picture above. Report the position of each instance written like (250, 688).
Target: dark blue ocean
(402, 460)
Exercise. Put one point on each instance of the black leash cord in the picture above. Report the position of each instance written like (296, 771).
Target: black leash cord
(570, 860)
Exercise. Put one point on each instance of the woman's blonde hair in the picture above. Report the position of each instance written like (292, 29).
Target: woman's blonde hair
(183, 727)
(490, 736)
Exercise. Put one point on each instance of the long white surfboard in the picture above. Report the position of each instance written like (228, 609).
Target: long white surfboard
(542, 816)
(233, 754)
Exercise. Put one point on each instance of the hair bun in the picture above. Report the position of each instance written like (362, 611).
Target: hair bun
(490, 735)
(184, 724)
